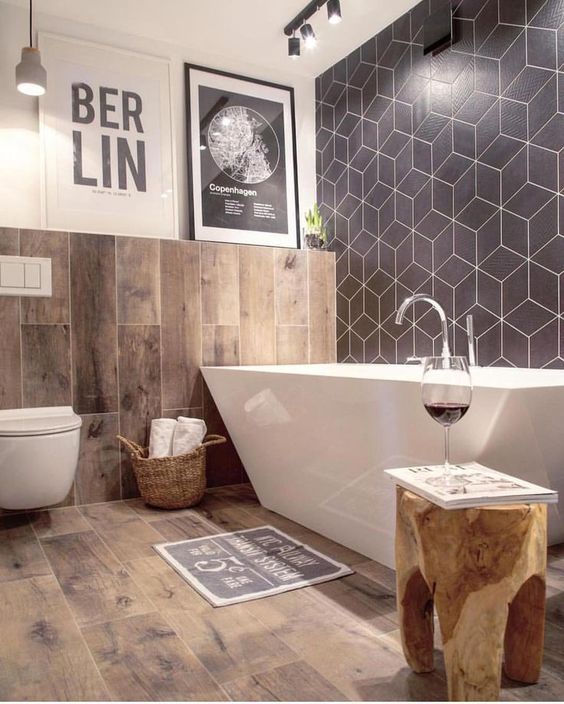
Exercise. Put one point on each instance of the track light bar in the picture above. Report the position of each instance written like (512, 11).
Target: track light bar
(333, 12)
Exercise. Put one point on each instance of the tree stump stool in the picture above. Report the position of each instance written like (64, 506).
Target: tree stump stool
(484, 571)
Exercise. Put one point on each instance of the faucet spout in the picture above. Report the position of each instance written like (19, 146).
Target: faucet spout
(422, 297)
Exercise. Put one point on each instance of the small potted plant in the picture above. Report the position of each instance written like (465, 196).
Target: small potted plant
(315, 231)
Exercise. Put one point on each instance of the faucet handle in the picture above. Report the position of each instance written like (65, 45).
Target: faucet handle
(470, 335)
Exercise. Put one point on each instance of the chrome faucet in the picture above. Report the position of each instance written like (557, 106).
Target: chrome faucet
(437, 306)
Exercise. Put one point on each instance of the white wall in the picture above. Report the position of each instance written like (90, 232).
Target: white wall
(19, 136)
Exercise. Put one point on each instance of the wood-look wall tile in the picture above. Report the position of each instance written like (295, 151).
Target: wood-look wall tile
(9, 241)
(322, 320)
(138, 293)
(181, 324)
(98, 474)
(256, 291)
(94, 331)
(139, 391)
(292, 344)
(220, 284)
(54, 246)
(220, 345)
(186, 412)
(223, 463)
(291, 286)
(46, 365)
(10, 351)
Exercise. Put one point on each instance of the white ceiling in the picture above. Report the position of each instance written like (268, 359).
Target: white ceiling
(241, 30)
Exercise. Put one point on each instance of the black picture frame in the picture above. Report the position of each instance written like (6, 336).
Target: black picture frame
(238, 235)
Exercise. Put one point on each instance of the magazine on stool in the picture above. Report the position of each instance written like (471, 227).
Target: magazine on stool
(482, 486)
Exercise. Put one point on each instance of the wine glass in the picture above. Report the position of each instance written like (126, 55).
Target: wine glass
(446, 391)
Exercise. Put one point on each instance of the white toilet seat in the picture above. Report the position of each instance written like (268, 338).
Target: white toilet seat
(26, 422)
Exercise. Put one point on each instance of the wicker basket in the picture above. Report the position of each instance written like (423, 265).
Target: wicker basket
(171, 482)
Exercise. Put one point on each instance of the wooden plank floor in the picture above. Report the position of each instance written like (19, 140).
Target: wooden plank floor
(88, 611)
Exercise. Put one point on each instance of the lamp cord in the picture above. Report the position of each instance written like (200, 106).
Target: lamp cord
(30, 23)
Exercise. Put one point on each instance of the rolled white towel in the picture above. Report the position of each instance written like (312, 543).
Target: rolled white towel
(162, 434)
(188, 435)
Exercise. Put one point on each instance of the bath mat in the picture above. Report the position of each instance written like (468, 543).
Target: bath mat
(248, 564)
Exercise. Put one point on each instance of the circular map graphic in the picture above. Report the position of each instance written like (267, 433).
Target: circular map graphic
(243, 144)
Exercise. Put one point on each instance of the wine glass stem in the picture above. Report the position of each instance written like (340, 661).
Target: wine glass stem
(447, 449)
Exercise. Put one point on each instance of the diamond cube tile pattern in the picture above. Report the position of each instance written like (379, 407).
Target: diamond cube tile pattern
(446, 175)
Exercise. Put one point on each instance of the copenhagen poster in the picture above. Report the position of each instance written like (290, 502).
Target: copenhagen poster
(242, 162)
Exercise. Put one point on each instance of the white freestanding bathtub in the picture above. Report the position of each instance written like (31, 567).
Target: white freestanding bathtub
(315, 438)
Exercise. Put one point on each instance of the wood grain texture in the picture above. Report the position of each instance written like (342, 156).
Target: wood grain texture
(127, 535)
(139, 354)
(165, 588)
(9, 241)
(322, 316)
(186, 412)
(291, 286)
(256, 296)
(184, 527)
(220, 284)
(94, 333)
(292, 344)
(231, 643)
(138, 285)
(46, 365)
(54, 246)
(142, 659)
(10, 351)
(472, 564)
(220, 345)
(346, 652)
(58, 521)
(20, 553)
(96, 585)
(297, 681)
(42, 652)
(98, 474)
(181, 324)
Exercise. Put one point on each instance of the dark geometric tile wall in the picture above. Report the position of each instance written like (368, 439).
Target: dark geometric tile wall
(445, 175)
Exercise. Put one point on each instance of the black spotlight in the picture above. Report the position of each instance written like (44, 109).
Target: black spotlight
(308, 35)
(294, 47)
(334, 11)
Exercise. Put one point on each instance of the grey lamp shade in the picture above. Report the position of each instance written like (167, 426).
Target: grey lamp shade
(31, 77)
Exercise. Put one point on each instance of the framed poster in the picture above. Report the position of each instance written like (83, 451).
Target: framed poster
(106, 136)
(242, 174)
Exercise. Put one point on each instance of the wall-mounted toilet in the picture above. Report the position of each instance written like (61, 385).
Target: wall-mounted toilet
(38, 456)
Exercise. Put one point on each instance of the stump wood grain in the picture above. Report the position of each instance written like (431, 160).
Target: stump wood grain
(484, 572)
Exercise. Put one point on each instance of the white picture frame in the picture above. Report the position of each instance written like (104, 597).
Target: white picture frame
(106, 133)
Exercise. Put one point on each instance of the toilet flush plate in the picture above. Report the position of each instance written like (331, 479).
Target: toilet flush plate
(25, 276)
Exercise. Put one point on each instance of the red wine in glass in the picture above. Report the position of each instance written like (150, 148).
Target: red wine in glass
(447, 414)
(446, 392)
